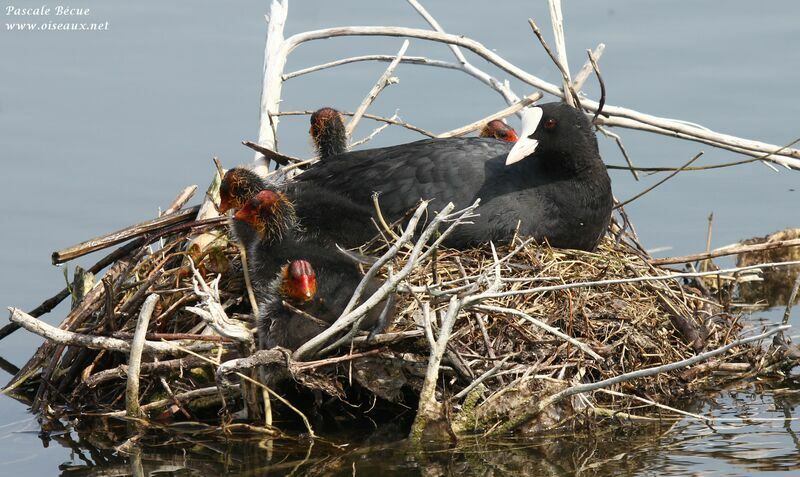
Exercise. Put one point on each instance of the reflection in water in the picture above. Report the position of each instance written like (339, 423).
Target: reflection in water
(753, 431)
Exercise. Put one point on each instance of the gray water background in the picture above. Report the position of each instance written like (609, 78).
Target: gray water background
(100, 129)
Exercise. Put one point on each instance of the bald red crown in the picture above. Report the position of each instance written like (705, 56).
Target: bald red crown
(499, 130)
(299, 281)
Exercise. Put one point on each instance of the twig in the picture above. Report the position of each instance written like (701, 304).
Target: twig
(602, 83)
(569, 95)
(158, 367)
(789, 158)
(621, 146)
(428, 406)
(586, 70)
(640, 194)
(734, 249)
(557, 21)
(383, 81)
(474, 126)
(272, 85)
(181, 200)
(671, 276)
(214, 313)
(483, 377)
(109, 240)
(268, 153)
(503, 88)
(533, 409)
(371, 135)
(132, 408)
(540, 324)
(787, 313)
(352, 313)
(396, 122)
(89, 341)
(181, 397)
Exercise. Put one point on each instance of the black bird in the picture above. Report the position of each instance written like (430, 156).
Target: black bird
(328, 133)
(320, 215)
(499, 130)
(272, 219)
(321, 290)
(552, 181)
(238, 185)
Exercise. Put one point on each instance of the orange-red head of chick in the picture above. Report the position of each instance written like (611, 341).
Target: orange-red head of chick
(270, 213)
(298, 281)
(237, 187)
(499, 130)
(328, 132)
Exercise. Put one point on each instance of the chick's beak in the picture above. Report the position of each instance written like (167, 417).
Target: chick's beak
(308, 286)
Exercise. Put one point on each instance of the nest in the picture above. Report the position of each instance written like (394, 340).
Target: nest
(531, 322)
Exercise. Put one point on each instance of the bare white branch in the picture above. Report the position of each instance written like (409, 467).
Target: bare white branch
(383, 81)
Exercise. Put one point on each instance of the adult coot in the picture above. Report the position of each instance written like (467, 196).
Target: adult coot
(499, 130)
(321, 290)
(328, 133)
(552, 182)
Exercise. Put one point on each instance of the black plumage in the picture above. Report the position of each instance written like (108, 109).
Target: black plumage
(328, 133)
(561, 193)
(277, 241)
(336, 280)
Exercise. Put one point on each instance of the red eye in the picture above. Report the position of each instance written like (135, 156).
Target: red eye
(550, 124)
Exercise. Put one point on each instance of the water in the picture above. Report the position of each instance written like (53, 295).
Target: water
(99, 129)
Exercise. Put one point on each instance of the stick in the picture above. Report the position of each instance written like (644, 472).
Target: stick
(90, 341)
(274, 63)
(109, 240)
(533, 409)
(503, 88)
(474, 126)
(158, 367)
(557, 21)
(734, 249)
(569, 95)
(269, 154)
(618, 281)
(383, 82)
(396, 122)
(540, 324)
(640, 194)
(132, 408)
(428, 406)
(788, 158)
(586, 70)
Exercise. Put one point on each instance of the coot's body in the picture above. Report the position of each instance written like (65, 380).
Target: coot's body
(561, 193)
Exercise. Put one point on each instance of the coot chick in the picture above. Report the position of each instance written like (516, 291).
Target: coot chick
(328, 133)
(319, 215)
(499, 130)
(321, 290)
(237, 187)
(552, 181)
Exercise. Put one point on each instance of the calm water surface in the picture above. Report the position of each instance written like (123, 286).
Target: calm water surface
(99, 129)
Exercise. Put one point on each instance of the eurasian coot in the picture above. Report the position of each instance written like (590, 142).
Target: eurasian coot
(499, 130)
(558, 191)
(328, 133)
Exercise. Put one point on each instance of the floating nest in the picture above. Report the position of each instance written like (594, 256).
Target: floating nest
(539, 328)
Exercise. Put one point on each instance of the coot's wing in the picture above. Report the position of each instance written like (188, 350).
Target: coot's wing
(442, 169)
